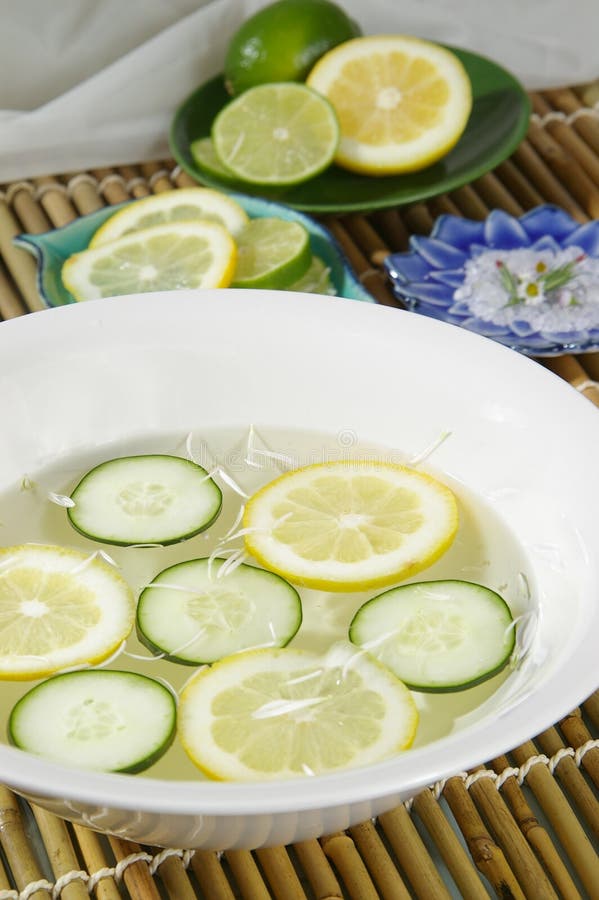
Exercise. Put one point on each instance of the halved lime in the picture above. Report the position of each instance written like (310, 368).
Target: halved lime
(316, 280)
(271, 253)
(276, 134)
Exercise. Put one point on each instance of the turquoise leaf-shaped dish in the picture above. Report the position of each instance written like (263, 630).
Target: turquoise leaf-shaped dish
(53, 248)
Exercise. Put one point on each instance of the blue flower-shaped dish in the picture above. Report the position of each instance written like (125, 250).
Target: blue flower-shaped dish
(434, 278)
(53, 248)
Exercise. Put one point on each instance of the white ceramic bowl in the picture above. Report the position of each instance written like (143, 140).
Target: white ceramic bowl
(522, 439)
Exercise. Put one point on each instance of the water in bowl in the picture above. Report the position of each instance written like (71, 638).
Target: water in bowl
(243, 459)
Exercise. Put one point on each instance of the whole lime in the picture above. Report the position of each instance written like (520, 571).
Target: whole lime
(282, 41)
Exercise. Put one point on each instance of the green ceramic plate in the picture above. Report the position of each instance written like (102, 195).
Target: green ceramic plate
(498, 122)
(52, 248)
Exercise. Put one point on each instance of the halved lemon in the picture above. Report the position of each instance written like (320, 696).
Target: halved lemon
(402, 103)
(58, 609)
(160, 258)
(350, 525)
(264, 714)
(181, 205)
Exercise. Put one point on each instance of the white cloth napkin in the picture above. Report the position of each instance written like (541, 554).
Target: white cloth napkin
(89, 83)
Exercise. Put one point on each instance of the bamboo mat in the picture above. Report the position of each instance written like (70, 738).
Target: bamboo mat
(525, 825)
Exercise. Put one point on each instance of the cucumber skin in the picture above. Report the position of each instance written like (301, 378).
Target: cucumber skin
(447, 688)
(167, 543)
(139, 766)
(159, 651)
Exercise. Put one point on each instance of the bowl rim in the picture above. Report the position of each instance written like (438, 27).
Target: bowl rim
(473, 745)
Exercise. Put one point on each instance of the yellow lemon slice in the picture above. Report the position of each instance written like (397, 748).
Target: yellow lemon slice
(58, 609)
(160, 258)
(350, 525)
(181, 205)
(402, 103)
(264, 714)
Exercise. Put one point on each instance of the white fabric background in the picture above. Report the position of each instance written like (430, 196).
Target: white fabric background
(88, 83)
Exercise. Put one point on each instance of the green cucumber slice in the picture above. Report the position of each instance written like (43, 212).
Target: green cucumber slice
(437, 635)
(152, 499)
(193, 616)
(99, 719)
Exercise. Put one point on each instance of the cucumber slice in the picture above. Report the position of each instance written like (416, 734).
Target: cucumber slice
(192, 616)
(98, 719)
(149, 499)
(437, 635)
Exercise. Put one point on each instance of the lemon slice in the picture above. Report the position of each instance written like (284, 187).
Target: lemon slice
(271, 253)
(160, 258)
(350, 525)
(58, 609)
(276, 134)
(264, 714)
(402, 103)
(182, 205)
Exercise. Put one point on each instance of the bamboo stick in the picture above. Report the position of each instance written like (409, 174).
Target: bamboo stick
(559, 813)
(316, 866)
(495, 195)
(571, 778)
(135, 183)
(52, 195)
(373, 280)
(488, 857)
(181, 179)
(469, 203)
(524, 864)
(280, 874)
(519, 186)
(11, 304)
(442, 205)
(569, 140)
(382, 869)
(29, 213)
(566, 167)
(111, 185)
(342, 852)
(577, 734)
(19, 262)
(213, 882)
(568, 368)
(14, 843)
(157, 175)
(567, 102)
(389, 223)
(175, 879)
(5, 884)
(525, 156)
(83, 188)
(452, 852)
(137, 878)
(535, 833)
(95, 860)
(366, 238)
(590, 363)
(417, 218)
(59, 849)
(412, 855)
(591, 708)
(247, 875)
